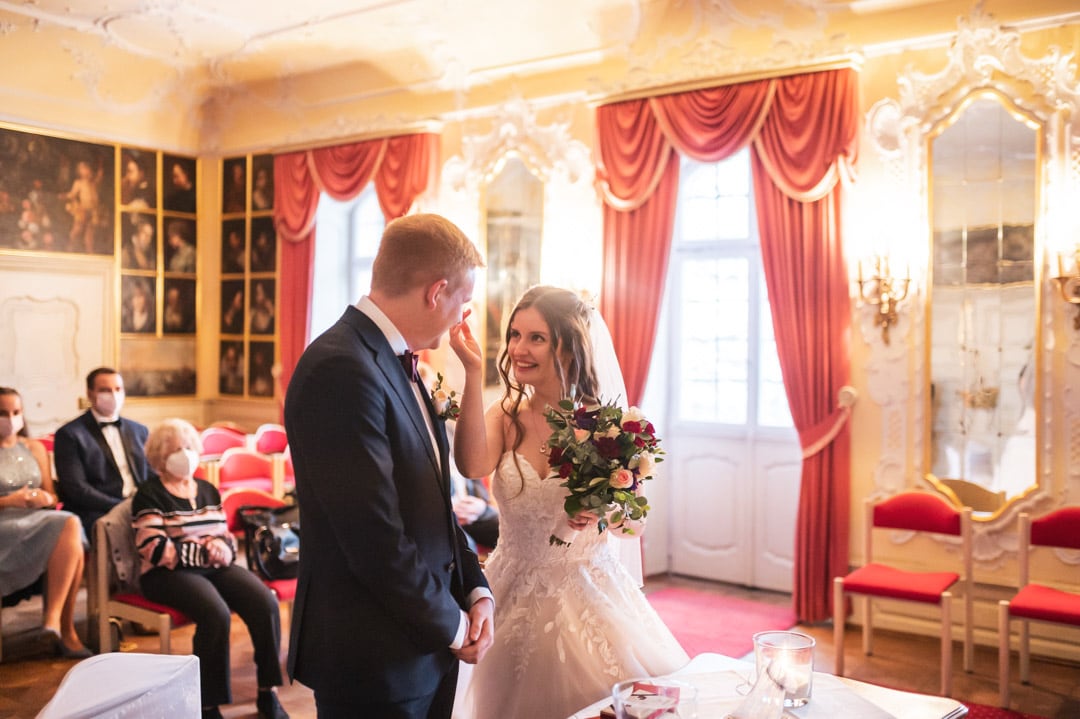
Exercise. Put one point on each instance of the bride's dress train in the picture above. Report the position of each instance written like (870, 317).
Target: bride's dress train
(569, 621)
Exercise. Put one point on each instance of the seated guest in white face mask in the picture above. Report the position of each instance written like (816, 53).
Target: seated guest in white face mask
(99, 455)
(187, 563)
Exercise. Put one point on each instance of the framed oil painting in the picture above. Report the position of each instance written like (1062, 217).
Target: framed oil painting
(138, 179)
(158, 367)
(231, 368)
(56, 195)
(262, 183)
(180, 254)
(179, 180)
(138, 245)
(233, 247)
(138, 309)
(263, 245)
(234, 185)
(260, 369)
(178, 307)
(232, 307)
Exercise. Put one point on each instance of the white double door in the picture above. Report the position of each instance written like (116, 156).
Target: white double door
(733, 505)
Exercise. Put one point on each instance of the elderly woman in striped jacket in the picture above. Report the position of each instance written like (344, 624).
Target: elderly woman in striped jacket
(188, 557)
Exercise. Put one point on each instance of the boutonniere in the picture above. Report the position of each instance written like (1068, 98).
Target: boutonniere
(445, 401)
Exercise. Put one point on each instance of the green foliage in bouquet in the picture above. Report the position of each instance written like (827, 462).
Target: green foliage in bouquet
(603, 454)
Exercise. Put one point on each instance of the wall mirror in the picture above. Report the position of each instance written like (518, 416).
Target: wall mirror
(983, 161)
(982, 149)
(514, 218)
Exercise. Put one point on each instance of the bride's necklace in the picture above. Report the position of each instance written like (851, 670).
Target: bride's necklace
(544, 448)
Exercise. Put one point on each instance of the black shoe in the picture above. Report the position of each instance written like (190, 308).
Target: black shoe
(66, 653)
(211, 713)
(268, 705)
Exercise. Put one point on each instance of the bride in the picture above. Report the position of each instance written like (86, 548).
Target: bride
(570, 621)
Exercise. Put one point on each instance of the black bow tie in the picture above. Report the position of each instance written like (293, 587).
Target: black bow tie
(114, 423)
(408, 363)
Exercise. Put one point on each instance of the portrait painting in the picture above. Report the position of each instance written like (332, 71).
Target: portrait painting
(178, 306)
(138, 179)
(178, 177)
(261, 310)
(233, 310)
(261, 369)
(138, 311)
(138, 243)
(262, 183)
(180, 254)
(233, 185)
(158, 367)
(231, 372)
(56, 195)
(263, 245)
(233, 247)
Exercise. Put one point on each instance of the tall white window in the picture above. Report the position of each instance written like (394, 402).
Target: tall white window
(727, 370)
(347, 237)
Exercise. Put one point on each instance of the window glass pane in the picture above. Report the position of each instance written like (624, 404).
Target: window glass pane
(713, 363)
(725, 367)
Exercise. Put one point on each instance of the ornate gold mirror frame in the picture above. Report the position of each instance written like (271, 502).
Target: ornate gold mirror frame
(984, 60)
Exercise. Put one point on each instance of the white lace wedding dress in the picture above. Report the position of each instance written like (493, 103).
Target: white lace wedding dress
(569, 621)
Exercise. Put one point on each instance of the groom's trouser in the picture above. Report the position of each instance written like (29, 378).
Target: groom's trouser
(438, 705)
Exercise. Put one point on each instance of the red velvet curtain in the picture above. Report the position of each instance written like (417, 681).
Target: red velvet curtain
(402, 167)
(804, 131)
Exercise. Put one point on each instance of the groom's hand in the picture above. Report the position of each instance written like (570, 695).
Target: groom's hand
(481, 632)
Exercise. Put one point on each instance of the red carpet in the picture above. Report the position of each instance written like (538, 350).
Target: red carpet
(981, 711)
(705, 622)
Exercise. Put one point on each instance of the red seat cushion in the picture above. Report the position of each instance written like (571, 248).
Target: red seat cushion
(285, 589)
(178, 618)
(879, 580)
(1047, 604)
(262, 483)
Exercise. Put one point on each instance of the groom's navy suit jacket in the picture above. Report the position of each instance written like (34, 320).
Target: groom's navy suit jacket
(384, 569)
(88, 479)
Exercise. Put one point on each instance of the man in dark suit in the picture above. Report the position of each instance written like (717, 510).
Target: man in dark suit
(389, 595)
(472, 507)
(99, 455)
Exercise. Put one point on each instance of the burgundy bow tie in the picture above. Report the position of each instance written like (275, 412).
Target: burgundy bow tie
(408, 363)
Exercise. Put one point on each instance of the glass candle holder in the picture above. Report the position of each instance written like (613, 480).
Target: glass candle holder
(788, 658)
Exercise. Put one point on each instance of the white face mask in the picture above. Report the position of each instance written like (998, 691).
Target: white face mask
(182, 463)
(108, 404)
(11, 425)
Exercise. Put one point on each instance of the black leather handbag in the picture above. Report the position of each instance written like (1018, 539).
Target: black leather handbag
(272, 540)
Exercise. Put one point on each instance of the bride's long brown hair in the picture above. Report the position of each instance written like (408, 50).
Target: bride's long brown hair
(567, 317)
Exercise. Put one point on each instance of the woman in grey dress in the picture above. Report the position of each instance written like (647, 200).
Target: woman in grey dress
(34, 537)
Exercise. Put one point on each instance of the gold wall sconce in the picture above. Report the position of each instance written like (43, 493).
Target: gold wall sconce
(1068, 281)
(880, 289)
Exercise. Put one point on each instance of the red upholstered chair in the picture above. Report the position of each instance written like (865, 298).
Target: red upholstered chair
(215, 440)
(116, 581)
(245, 468)
(231, 502)
(918, 512)
(271, 439)
(1037, 602)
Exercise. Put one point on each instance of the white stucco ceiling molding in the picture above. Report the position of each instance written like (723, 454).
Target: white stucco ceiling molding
(705, 45)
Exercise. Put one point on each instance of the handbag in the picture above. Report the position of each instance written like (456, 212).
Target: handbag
(272, 540)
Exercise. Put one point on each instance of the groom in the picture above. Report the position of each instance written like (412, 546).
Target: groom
(389, 597)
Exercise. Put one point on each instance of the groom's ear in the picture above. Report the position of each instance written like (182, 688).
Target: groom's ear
(434, 291)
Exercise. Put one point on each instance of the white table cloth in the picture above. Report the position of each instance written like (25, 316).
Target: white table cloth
(717, 679)
(128, 686)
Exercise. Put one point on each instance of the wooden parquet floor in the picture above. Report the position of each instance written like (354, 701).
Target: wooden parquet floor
(28, 679)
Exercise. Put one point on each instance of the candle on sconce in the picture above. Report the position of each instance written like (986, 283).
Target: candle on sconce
(1061, 265)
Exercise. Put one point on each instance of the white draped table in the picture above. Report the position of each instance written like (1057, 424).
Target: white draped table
(128, 686)
(719, 679)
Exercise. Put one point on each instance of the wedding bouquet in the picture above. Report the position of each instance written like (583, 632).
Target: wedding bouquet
(603, 454)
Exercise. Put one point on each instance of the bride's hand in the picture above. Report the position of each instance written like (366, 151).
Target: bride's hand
(465, 345)
(583, 520)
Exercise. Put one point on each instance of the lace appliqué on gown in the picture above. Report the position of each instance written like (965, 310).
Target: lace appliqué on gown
(569, 621)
